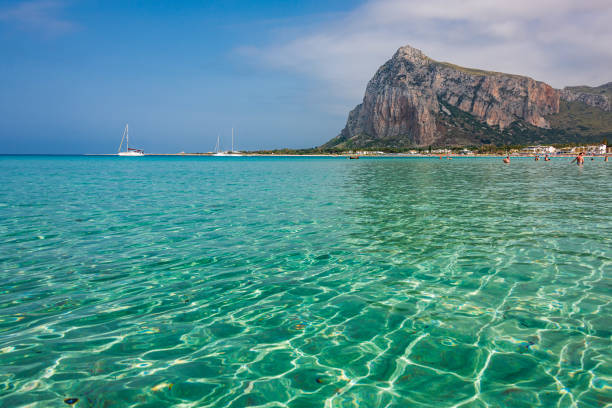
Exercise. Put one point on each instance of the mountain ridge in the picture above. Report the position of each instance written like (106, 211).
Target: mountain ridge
(415, 101)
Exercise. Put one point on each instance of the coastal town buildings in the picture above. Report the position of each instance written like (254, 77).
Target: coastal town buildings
(363, 152)
(597, 149)
(538, 150)
(590, 149)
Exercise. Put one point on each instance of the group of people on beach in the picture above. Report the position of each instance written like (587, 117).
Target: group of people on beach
(579, 159)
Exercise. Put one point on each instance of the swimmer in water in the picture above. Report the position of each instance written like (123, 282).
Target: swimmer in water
(606, 158)
(507, 159)
(579, 159)
(537, 158)
(546, 158)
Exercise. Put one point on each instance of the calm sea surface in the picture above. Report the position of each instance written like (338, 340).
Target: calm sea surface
(305, 282)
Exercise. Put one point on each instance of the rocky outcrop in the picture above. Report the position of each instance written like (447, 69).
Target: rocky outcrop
(590, 96)
(407, 94)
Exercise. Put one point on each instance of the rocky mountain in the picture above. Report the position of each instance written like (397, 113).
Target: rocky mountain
(413, 100)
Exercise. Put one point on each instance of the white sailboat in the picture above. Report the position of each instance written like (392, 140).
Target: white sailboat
(218, 151)
(233, 152)
(128, 150)
(226, 153)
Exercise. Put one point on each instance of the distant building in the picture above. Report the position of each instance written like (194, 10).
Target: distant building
(538, 150)
(591, 150)
(596, 149)
(363, 152)
(440, 151)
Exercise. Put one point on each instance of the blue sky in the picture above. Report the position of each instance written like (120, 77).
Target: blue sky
(75, 72)
(282, 73)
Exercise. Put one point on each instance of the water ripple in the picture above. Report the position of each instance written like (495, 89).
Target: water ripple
(233, 282)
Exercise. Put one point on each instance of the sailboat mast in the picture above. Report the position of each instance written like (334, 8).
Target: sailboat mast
(122, 139)
(127, 137)
(232, 139)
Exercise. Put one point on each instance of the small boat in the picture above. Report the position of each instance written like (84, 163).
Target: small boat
(218, 152)
(232, 152)
(353, 157)
(129, 151)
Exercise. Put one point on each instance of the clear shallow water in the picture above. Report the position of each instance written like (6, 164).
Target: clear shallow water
(233, 282)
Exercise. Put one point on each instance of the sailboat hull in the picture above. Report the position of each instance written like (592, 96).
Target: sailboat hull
(128, 151)
(232, 152)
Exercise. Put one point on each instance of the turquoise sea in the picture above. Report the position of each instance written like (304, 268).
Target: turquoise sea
(305, 282)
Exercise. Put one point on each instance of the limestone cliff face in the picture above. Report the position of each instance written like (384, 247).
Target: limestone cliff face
(595, 97)
(407, 94)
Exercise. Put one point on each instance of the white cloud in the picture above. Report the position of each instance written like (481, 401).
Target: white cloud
(562, 42)
(37, 15)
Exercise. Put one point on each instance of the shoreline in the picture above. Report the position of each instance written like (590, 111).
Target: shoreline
(389, 155)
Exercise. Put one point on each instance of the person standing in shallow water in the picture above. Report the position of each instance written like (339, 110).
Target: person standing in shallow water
(606, 158)
(507, 159)
(579, 159)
